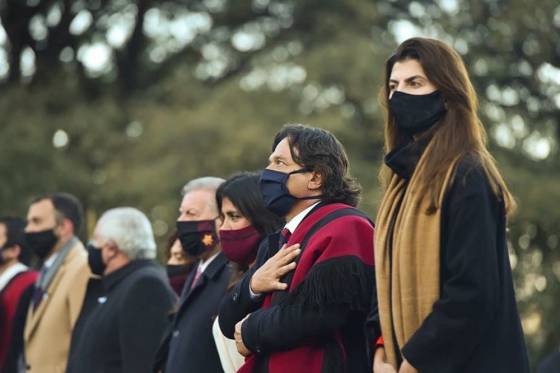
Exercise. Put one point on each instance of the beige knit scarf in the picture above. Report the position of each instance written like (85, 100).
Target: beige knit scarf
(408, 270)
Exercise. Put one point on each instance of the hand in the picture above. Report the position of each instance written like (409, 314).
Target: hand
(407, 368)
(241, 348)
(379, 364)
(267, 277)
(383, 368)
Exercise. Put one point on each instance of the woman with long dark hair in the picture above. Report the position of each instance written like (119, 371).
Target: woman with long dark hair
(444, 282)
(246, 223)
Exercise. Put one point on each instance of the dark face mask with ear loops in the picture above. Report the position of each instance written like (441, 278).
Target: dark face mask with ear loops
(275, 193)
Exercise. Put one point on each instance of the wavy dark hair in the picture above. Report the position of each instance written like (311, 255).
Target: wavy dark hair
(320, 151)
(243, 191)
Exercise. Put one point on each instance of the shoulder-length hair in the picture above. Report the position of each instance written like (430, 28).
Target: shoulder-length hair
(320, 151)
(460, 132)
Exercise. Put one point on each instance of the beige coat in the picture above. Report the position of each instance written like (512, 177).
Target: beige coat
(48, 329)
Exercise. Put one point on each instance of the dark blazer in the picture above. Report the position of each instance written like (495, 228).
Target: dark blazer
(192, 347)
(123, 330)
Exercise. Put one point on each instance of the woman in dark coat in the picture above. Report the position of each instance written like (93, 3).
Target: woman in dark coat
(444, 283)
(246, 225)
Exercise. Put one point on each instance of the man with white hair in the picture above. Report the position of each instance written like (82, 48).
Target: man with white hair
(123, 330)
(191, 344)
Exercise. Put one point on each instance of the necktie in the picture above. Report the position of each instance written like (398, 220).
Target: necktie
(196, 278)
(37, 297)
(38, 292)
(282, 240)
(285, 235)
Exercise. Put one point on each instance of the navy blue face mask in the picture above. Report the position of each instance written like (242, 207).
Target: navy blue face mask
(275, 193)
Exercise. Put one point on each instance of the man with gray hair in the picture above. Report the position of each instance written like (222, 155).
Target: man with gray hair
(191, 346)
(122, 331)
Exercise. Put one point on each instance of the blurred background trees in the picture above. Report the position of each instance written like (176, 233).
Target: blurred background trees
(121, 102)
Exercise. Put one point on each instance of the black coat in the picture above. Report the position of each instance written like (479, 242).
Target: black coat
(94, 291)
(192, 347)
(123, 330)
(475, 325)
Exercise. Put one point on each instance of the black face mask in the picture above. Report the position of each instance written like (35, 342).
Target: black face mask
(275, 193)
(95, 260)
(416, 113)
(197, 237)
(174, 270)
(41, 243)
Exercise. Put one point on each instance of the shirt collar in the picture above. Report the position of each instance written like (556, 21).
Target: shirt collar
(296, 220)
(49, 262)
(203, 265)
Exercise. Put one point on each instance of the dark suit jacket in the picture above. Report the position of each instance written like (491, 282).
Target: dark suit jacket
(192, 347)
(123, 330)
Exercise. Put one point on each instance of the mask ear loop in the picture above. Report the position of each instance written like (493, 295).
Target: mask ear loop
(300, 171)
(303, 171)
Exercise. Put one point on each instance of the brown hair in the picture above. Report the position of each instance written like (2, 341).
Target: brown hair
(458, 133)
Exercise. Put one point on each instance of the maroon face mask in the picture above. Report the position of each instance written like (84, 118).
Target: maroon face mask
(240, 245)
